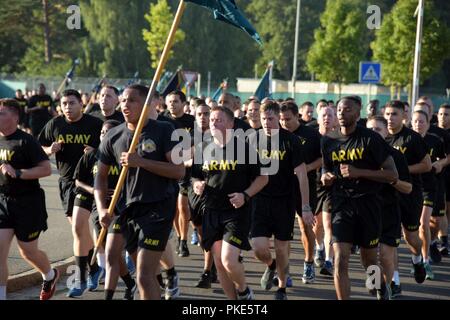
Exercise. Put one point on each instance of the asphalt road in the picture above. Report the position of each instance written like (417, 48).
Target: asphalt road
(57, 242)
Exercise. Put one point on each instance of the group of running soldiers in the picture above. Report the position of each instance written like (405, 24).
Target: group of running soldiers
(241, 175)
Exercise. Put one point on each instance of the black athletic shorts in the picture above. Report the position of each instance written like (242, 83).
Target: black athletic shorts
(67, 195)
(148, 225)
(357, 220)
(391, 225)
(115, 227)
(273, 216)
(411, 209)
(429, 198)
(26, 214)
(323, 199)
(312, 197)
(95, 218)
(184, 185)
(439, 200)
(232, 226)
(447, 183)
(84, 201)
(196, 207)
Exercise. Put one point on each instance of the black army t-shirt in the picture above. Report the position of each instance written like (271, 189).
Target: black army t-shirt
(281, 154)
(84, 171)
(117, 115)
(186, 121)
(389, 193)
(175, 124)
(435, 148)
(227, 169)
(41, 116)
(240, 124)
(312, 123)
(23, 118)
(363, 149)
(154, 142)
(310, 140)
(21, 151)
(74, 136)
(87, 169)
(413, 147)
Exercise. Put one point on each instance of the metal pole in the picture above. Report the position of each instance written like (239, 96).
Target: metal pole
(199, 85)
(294, 67)
(416, 75)
(209, 84)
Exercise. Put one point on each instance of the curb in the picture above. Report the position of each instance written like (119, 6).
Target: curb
(33, 277)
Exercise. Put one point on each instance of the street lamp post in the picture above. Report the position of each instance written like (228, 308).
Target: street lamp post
(416, 75)
(294, 67)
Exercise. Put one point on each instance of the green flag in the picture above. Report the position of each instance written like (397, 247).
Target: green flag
(227, 11)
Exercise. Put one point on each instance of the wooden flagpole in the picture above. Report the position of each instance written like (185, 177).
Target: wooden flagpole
(143, 118)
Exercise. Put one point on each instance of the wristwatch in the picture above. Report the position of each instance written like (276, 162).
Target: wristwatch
(306, 207)
(246, 196)
(18, 173)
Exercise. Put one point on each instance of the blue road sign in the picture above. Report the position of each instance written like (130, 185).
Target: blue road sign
(369, 72)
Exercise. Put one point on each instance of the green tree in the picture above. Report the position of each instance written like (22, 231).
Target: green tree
(395, 43)
(309, 21)
(63, 44)
(16, 13)
(275, 22)
(115, 31)
(340, 43)
(160, 20)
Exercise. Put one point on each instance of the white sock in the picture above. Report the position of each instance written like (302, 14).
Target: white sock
(416, 259)
(396, 278)
(101, 260)
(426, 260)
(49, 276)
(2, 292)
(321, 247)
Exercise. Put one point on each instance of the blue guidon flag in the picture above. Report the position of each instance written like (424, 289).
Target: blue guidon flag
(227, 11)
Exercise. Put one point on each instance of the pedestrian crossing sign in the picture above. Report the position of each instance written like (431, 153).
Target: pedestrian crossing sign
(369, 72)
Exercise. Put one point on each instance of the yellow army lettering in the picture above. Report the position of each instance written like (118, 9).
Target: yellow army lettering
(236, 240)
(220, 165)
(77, 138)
(274, 154)
(42, 104)
(401, 149)
(113, 171)
(151, 242)
(6, 155)
(345, 155)
(373, 242)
